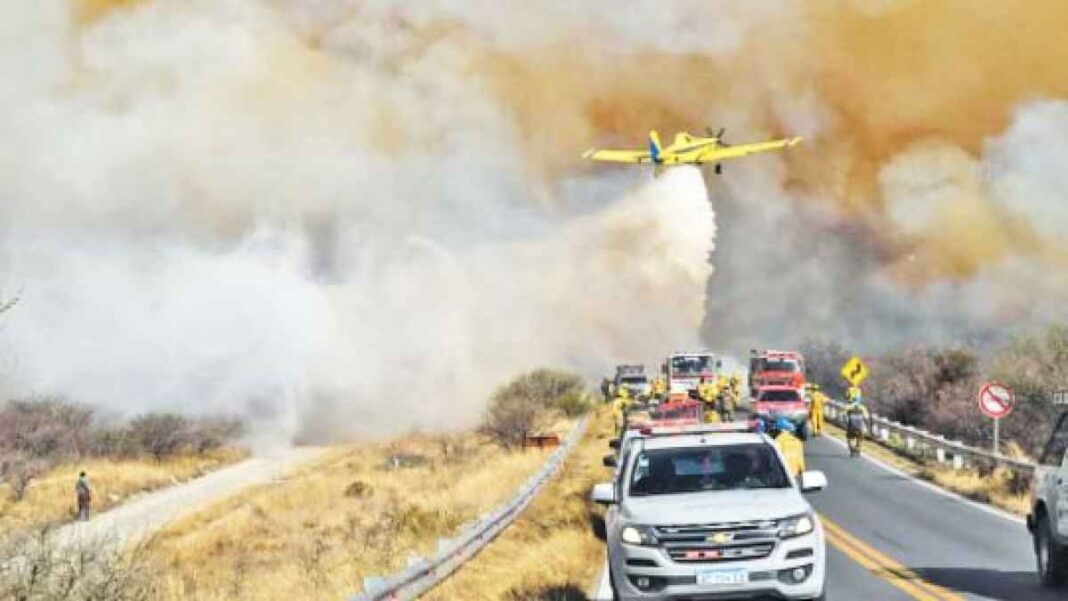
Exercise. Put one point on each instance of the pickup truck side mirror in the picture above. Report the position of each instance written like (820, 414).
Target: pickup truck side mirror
(609, 461)
(613, 444)
(605, 494)
(813, 481)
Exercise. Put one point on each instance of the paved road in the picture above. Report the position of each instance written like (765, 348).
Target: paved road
(142, 516)
(880, 518)
(891, 538)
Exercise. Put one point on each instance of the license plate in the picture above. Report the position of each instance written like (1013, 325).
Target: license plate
(722, 577)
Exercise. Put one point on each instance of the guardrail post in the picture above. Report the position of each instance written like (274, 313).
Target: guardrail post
(940, 453)
(958, 461)
(884, 433)
(910, 443)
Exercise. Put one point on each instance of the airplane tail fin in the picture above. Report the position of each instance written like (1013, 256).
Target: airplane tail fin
(654, 146)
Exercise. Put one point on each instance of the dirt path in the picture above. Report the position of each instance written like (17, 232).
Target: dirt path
(150, 512)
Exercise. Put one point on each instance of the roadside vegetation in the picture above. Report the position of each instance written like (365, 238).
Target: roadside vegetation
(553, 552)
(34, 568)
(362, 510)
(45, 443)
(935, 387)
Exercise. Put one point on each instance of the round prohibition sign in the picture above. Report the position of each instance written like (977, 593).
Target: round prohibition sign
(996, 400)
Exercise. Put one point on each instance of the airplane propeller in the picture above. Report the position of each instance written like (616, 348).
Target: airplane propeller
(718, 135)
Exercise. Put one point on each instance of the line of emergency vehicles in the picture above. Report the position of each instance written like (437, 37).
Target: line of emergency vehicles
(703, 505)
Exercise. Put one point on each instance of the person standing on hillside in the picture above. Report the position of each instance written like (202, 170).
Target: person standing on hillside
(85, 496)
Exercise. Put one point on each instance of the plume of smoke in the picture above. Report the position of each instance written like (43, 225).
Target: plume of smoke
(207, 213)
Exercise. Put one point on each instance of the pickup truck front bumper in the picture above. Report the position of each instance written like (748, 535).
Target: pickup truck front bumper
(649, 573)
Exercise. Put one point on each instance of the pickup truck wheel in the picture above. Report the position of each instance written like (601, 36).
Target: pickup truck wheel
(1050, 558)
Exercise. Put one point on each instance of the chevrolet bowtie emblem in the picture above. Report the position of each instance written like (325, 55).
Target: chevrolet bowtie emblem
(721, 538)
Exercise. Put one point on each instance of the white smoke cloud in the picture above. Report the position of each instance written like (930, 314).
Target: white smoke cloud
(1025, 166)
(207, 214)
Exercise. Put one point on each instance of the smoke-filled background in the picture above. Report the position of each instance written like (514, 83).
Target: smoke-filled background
(347, 217)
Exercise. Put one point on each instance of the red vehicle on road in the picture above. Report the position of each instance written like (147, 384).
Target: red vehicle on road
(775, 368)
(773, 402)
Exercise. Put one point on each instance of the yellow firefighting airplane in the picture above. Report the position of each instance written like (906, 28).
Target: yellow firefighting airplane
(687, 150)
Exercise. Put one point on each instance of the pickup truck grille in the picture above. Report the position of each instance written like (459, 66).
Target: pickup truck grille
(733, 541)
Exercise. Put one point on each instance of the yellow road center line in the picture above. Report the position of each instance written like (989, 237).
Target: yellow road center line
(885, 567)
(892, 564)
(894, 580)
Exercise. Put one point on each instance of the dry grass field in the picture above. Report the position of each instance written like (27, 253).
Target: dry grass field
(359, 511)
(50, 498)
(552, 552)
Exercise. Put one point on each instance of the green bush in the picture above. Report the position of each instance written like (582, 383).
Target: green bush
(525, 405)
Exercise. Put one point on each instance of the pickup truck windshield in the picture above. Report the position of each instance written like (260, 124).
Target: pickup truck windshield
(687, 470)
(779, 395)
(691, 365)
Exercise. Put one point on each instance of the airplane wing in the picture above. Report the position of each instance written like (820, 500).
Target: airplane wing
(730, 152)
(618, 156)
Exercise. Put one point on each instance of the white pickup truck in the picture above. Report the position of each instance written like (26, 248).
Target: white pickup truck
(1048, 519)
(695, 515)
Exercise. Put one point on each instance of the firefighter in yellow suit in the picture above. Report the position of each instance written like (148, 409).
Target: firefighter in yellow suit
(815, 409)
(706, 391)
(793, 450)
(620, 406)
(660, 389)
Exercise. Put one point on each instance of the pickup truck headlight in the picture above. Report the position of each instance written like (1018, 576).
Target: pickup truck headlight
(638, 535)
(797, 525)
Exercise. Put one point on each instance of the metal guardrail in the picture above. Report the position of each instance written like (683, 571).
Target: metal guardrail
(926, 445)
(424, 574)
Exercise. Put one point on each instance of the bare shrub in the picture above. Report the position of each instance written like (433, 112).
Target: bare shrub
(18, 469)
(45, 428)
(929, 387)
(33, 567)
(160, 434)
(208, 433)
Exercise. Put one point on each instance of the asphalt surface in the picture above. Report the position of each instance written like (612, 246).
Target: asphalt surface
(893, 538)
(968, 552)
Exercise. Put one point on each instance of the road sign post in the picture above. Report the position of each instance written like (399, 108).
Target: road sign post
(997, 435)
(996, 401)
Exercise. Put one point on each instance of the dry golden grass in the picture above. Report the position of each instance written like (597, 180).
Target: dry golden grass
(51, 499)
(551, 552)
(997, 488)
(320, 531)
